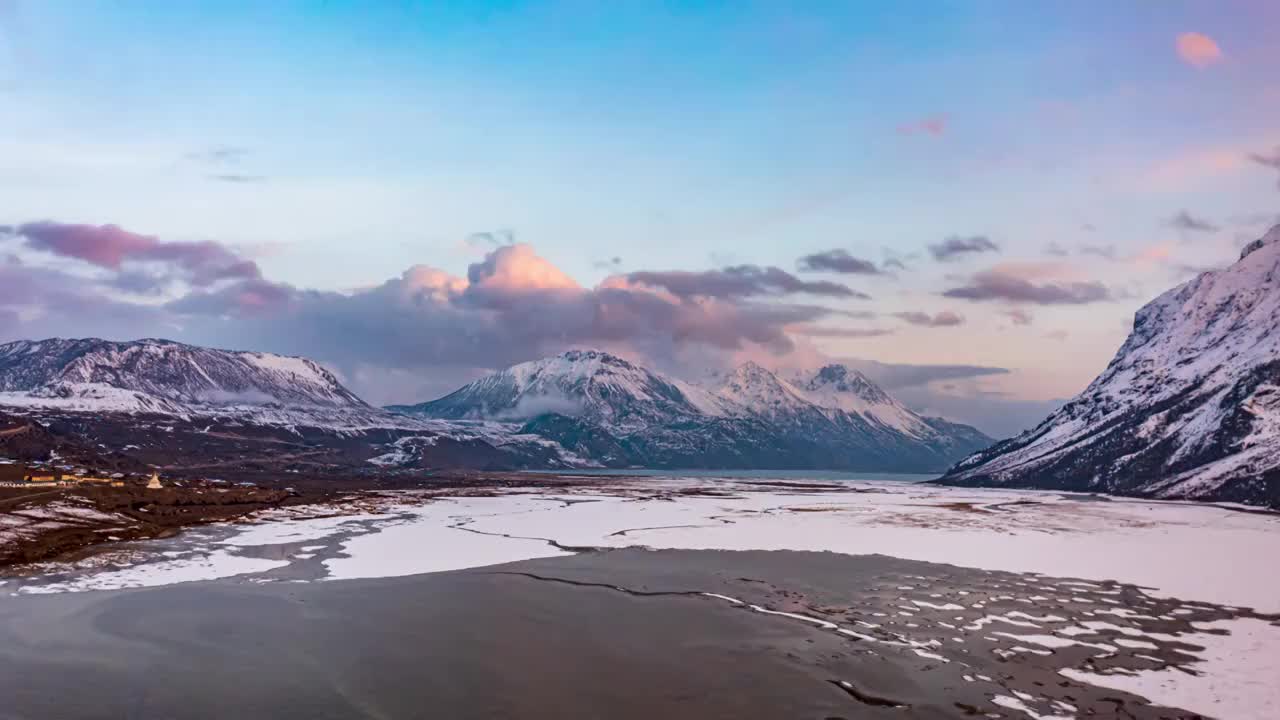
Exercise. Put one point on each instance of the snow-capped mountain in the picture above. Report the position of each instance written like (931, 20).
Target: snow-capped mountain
(205, 407)
(1188, 408)
(751, 390)
(160, 376)
(595, 386)
(581, 408)
(843, 388)
(615, 412)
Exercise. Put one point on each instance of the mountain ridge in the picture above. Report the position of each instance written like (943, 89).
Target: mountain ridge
(1189, 407)
(168, 372)
(597, 403)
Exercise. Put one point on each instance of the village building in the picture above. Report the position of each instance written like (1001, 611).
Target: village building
(154, 483)
(47, 478)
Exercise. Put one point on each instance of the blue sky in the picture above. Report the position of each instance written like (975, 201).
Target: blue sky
(337, 144)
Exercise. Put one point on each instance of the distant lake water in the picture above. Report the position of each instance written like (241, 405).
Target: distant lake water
(821, 475)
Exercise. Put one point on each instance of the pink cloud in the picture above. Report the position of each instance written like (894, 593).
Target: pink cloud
(110, 246)
(518, 267)
(1198, 50)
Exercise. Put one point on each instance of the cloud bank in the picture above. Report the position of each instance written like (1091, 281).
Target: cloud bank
(740, 281)
(956, 247)
(426, 331)
(1006, 285)
(837, 261)
(945, 318)
(511, 306)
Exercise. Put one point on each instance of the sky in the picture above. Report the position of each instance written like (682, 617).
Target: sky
(968, 200)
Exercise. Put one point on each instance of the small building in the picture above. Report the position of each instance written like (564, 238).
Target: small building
(50, 478)
(154, 483)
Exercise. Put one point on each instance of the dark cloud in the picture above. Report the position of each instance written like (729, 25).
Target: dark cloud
(740, 281)
(945, 318)
(1003, 285)
(837, 261)
(956, 247)
(894, 263)
(612, 263)
(1186, 221)
(1267, 159)
(110, 246)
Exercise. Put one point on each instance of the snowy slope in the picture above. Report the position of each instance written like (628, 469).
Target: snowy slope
(1189, 407)
(602, 407)
(169, 378)
(159, 374)
(593, 385)
(837, 386)
(112, 392)
(750, 389)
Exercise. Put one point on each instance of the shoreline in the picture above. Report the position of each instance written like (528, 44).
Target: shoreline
(96, 518)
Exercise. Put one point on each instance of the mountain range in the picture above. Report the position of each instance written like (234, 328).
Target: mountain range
(617, 413)
(1189, 408)
(582, 408)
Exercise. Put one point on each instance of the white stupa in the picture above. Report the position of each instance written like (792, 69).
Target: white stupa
(154, 483)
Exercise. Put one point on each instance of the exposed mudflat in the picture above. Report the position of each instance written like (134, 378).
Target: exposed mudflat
(618, 634)
(685, 599)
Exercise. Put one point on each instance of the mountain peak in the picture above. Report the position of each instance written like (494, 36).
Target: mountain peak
(589, 384)
(752, 369)
(757, 389)
(589, 354)
(848, 380)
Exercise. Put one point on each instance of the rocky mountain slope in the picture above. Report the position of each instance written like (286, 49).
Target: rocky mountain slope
(1189, 407)
(206, 410)
(160, 376)
(617, 413)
